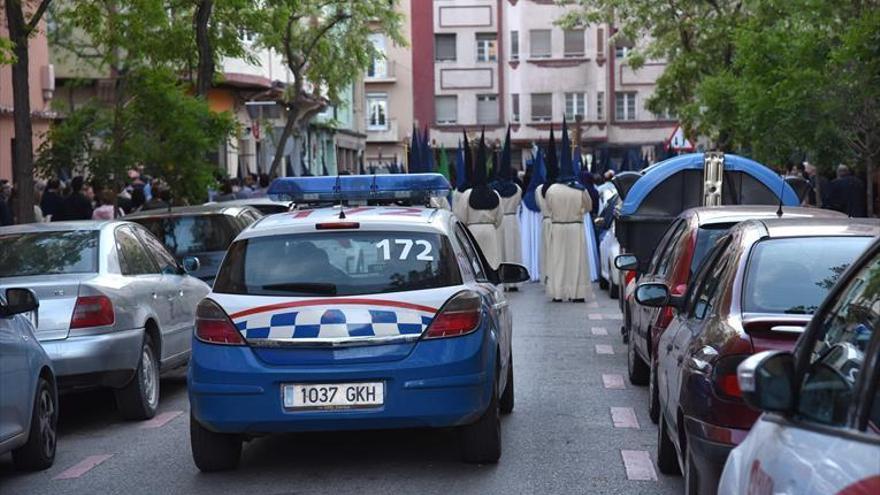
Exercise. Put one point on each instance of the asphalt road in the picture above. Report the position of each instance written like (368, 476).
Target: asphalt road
(573, 431)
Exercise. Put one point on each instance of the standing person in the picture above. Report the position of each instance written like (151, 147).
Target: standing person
(568, 202)
(541, 199)
(38, 212)
(511, 196)
(462, 179)
(848, 193)
(820, 196)
(107, 209)
(530, 215)
(76, 206)
(52, 201)
(162, 200)
(483, 214)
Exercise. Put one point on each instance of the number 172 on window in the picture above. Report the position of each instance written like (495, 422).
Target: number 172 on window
(422, 249)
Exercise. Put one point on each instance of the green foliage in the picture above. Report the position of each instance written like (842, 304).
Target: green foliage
(161, 127)
(7, 57)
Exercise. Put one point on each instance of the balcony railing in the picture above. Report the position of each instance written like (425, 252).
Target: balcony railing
(383, 134)
(376, 74)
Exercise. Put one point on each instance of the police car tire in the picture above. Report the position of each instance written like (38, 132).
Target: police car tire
(212, 451)
(667, 459)
(131, 400)
(481, 441)
(507, 398)
(636, 368)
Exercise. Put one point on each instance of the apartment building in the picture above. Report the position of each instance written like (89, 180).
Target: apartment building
(388, 86)
(488, 63)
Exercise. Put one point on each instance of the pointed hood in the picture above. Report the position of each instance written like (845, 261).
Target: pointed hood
(482, 197)
(536, 179)
(551, 163)
(480, 175)
(463, 182)
(504, 173)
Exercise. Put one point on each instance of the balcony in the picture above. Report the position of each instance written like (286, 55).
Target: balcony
(390, 133)
(375, 74)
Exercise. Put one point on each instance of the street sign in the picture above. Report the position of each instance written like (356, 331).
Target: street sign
(678, 142)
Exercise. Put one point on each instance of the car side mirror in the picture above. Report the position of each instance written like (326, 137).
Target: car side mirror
(652, 295)
(19, 301)
(767, 381)
(626, 262)
(191, 264)
(512, 273)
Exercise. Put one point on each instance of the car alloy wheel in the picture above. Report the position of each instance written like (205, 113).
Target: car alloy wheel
(47, 417)
(149, 376)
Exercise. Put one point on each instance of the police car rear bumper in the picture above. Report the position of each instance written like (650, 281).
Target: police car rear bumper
(441, 383)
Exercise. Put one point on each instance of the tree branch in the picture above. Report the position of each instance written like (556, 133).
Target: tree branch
(35, 19)
(339, 17)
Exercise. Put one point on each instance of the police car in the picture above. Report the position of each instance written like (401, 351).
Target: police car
(820, 431)
(354, 316)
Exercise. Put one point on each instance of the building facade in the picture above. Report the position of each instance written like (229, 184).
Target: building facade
(42, 91)
(484, 64)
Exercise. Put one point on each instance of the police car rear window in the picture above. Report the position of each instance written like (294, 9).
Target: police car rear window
(340, 263)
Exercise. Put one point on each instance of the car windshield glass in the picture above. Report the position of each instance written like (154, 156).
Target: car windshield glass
(793, 275)
(706, 237)
(338, 264)
(192, 234)
(48, 253)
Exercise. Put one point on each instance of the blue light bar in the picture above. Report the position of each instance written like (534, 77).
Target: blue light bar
(413, 187)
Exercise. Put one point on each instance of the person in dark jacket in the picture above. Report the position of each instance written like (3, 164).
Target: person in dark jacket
(5, 213)
(848, 193)
(76, 206)
(52, 201)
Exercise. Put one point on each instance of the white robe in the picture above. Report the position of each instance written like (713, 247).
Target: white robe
(459, 205)
(545, 232)
(484, 224)
(509, 233)
(569, 270)
(439, 202)
(530, 226)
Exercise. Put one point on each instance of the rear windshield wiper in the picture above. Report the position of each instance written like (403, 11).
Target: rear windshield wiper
(304, 287)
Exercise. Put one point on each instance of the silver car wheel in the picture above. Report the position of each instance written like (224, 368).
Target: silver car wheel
(47, 422)
(149, 378)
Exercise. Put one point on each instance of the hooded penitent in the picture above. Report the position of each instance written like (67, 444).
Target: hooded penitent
(536, 179)
(482, 196)
(551, 163)
(503, 171)
(463, 179)
(567, 173)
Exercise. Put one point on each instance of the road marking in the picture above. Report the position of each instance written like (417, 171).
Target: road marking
(613, 316)
(160, 420)
(613, 381)
(638, 464)
(624, 417)
(599, 331)
(594, 316)
(83, 467)
(593, 304)
(604, 349)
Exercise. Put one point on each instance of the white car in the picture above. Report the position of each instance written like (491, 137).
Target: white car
(609, 248)
(820, 431)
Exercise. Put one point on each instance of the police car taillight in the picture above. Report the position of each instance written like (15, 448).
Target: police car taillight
(459, 316)
(214, 326)
(337, 225)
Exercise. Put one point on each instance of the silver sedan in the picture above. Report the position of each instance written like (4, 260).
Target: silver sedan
(116, 309)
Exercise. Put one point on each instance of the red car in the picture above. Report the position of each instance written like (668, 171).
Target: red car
(754, 291)
(676, 258)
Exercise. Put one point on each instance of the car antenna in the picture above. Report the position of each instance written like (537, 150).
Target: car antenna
(781, 193)
(338, 189)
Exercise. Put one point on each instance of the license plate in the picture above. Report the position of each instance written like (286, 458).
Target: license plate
(333, 395)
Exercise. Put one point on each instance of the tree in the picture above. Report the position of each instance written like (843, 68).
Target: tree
(325, 45)
(21, 28)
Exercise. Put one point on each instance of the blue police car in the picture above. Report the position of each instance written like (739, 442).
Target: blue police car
(350, 317)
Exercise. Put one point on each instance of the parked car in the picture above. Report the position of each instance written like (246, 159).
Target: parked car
(754, 291)
(820, 431)
(28, 397)
(609, 248)
(676, 258)
(202, 231)
(265, 205)
(116, 309)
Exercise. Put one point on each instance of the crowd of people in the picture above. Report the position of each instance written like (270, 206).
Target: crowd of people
(845, 193)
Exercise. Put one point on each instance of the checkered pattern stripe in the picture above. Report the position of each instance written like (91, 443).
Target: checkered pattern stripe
(331, 322)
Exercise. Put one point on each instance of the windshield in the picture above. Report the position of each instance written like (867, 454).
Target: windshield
(48, 253)
(794, 275)
(706, 237)
(185, 235)
(338, 264)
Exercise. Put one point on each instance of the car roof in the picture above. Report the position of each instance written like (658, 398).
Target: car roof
(69, 226)
(369, 218)
(206, 209)
(710, 215)
(265, 200)
(816, 227)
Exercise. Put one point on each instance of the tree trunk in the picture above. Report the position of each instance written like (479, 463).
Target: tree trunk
(282, 141)
(23, 150)
(205, 72)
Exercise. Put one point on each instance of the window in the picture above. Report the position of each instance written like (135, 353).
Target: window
(446, 109)
(486, 44)
(621, 52)
(540, 44)
(444, 47)
(706, 237)
(575, 106)
(48, 253)
(574, 43)
(665, 115)
(668, 240)
(625, 106)
(600, 43)
(542, 107)
(184, 235)
(705, 295)
(167, 263)
(778, 283)
(473, 258)
(600, 105)
(487, 109)
(378, 67)
(514, 45)
(829, 388)
(133, 258)
(514, 107)
(340, 263)
(377, 111)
